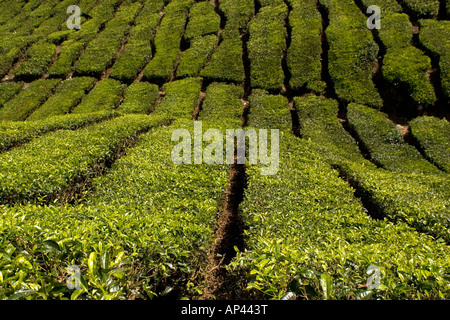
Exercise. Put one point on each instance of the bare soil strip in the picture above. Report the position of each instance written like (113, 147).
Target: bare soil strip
(55, 58)
(229, 231)
(229, 234)
(161, 95)
(10, 75)
(201, 99)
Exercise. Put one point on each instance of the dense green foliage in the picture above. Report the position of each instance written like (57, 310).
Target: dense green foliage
(28, 100)
(434, 35)
(384, 141)
(420, 200)
(308, 235)
(202, 20)
(266, 45)
(194, 58)
(67, 95)
(226, 62)
(104, 96)
(167, 41)
(139, 97)
(9, 90)
(352, 53)
(222, 101)
(422, 8)
(38, 57)
(276, 116)
(53, 164)
(180, 98)
(90, 139)
(100, 52)
(137, 50)
(78, 40)
(433, 135)
(305, 51)
(403, 63)
(144, 251)
(13, 133)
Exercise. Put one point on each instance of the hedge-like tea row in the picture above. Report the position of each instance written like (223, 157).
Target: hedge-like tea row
(8, 90)
(139, 97)
(386, 6)
(307, 234)
(159, 220)
(433, 135)
(422, 8)
(266, 45)
(384, 141)
(70, 50)
(194, 58)
(420, 200)
(40, 54)
(14, 42)
(77, 41)
(104, 96)
(180, 98)
(52, 165)
(319, 123)
(203, 20)
(138, 51)
(23, 15)
(67, 95)
(226, 62)
(28, 100)
(100, 52)
(56, 21)
(269, 111)
(13, 133)
(31, 20)
(9, 9)
(167, 41)
(431, 33)
(305, 52)
(352, 53)
(223, 101)
(7, 59)
(237, 14)
(38, 57)
(404, 64)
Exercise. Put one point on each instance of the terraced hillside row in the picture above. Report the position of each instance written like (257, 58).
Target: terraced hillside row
(113, 148)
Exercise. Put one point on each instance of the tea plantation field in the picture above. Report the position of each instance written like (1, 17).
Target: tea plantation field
(92, 206)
